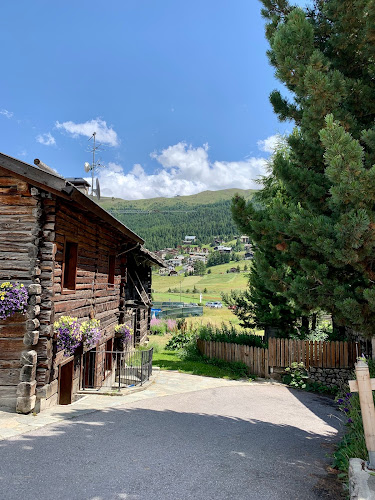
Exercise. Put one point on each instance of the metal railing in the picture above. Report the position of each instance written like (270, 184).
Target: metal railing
(115, 370)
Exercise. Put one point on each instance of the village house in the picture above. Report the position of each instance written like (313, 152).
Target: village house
(223, 249)
(75, 259)
(190, 239)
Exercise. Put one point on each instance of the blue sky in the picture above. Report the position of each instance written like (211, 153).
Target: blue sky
(177, 91)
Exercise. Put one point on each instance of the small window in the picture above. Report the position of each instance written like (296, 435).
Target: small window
(111, 269)
(70, 265)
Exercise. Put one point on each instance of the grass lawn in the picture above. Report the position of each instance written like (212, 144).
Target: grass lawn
(170, 360)
(215, 283)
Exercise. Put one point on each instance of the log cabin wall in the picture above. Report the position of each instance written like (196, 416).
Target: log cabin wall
(92, 295)
(20, 229)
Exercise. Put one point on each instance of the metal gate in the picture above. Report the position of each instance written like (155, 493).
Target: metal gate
(111, 370)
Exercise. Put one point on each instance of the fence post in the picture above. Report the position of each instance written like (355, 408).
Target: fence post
(364, 385)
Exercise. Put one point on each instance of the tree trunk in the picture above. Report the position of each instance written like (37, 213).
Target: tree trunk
(305, 325)
(339, 331)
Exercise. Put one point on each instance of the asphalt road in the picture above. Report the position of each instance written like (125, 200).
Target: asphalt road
(253, 442)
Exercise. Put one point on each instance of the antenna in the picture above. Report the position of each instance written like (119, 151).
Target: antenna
(94, 166)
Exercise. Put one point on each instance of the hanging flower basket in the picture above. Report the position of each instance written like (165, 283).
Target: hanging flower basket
(68, 333)
(91, 333)
(13, 299)
(124, 332)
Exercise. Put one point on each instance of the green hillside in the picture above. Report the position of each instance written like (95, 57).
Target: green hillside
(164, 222)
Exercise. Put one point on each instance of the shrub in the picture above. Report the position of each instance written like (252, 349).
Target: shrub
(171, 325)
(229, 334)
(180, 340)
(296, 375)
(353, 442)
(157, 326)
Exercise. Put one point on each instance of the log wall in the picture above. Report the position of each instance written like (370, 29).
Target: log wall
(93, 295)
(20, 227)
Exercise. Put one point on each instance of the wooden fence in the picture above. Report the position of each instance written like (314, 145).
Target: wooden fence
(255, 358)
(282, 352)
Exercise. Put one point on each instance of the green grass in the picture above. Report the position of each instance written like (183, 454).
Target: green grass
(215, 283)
(170, 360)
(218, 281)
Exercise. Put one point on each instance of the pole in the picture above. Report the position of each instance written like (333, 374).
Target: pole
(367, 408)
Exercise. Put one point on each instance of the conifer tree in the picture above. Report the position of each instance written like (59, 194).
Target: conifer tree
(321, 230)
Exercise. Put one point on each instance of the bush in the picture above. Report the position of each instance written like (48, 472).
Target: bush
(296, 375)
(170, 325)
(180, 340)
(353, 443)
(157, 326)
(229, 334)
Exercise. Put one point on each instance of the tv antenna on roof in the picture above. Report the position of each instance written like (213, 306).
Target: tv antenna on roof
(93, 167)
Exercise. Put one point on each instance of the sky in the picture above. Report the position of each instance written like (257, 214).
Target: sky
(177, 92)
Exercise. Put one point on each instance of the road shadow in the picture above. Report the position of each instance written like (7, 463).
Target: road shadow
(148, 454)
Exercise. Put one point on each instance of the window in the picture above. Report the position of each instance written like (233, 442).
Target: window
(111, 269)
(70, 265)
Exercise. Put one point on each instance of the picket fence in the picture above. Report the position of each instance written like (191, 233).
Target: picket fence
(281, 353)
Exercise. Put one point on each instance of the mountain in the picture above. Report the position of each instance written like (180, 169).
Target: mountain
(164, 222)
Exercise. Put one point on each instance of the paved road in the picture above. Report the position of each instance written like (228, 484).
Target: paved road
(246, 441)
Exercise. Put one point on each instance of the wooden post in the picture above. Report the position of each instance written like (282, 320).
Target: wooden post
(364, 386)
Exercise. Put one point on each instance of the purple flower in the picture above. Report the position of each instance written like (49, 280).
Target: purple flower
(69, 335)
(350, 421)
(91, 332)
(346, 410)
(340, 401)
(125, 331)
(13, 299)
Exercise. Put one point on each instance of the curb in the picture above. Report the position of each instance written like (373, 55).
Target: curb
(128, 390)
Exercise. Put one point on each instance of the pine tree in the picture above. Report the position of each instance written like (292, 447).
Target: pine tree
(322, 230)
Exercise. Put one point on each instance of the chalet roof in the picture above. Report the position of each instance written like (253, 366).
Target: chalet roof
(61, 187)
(150, 257)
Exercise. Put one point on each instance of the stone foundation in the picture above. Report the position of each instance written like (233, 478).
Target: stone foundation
(330, 377)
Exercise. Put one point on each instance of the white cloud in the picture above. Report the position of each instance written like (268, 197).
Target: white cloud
(6, 113)
(269, 145)
(46, 139)
(185, 170)
(104, 134)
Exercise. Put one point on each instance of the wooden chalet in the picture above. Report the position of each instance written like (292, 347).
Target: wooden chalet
(75, 259)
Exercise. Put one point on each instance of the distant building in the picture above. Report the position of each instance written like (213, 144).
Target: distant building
(223, 249)
(249, 255)
(244, 239)
(190, 239)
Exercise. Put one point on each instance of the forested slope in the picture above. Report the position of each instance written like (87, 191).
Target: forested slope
(164, 222)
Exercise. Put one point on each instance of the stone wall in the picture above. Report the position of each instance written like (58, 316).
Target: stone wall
(330, 377)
